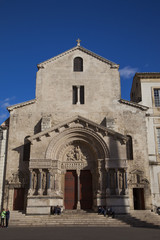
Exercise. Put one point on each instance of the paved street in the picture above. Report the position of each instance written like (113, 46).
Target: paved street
(80, 233)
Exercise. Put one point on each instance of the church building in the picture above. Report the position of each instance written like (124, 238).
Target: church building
(77, 144)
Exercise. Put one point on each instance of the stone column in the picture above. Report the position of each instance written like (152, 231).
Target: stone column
(125, 182)
(117, 181)
(99, 176)
(107, 183)
(78, 94)
(40, 182)
(49, 182)
(78, 187)
(30, 192)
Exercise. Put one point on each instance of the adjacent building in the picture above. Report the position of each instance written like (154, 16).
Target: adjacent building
(3, 157)
(146, 91)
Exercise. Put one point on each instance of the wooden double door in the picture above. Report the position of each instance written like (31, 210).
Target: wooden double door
(78, 190)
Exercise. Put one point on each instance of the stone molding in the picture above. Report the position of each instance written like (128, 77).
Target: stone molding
(115, 162)
(133, 104)
(86, 124)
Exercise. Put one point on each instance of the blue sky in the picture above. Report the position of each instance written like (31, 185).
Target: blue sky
(126, 32)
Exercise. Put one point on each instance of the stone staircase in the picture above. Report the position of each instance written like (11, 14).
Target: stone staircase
(67, 219)
(141, 218)
(86, 219)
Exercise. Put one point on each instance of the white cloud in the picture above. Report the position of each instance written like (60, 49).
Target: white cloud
(3, 111)
(128, 72)
(3, 116)
(6, 102)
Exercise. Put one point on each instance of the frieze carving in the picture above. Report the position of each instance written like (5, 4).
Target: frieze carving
(43, 163)
(74, 165)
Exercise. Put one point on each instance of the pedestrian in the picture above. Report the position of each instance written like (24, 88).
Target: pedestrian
(7, 217)
(3, 215)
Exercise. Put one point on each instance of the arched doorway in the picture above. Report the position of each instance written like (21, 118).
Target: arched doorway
(80, 174)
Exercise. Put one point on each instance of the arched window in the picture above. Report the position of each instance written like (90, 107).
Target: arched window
(129, 147)
(26, 149)
(78, 64)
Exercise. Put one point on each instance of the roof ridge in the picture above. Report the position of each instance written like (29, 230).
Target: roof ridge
(115, 65)
(133, 104)
(18, 105)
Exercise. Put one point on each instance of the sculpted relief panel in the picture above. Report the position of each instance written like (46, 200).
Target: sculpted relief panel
(76, 155)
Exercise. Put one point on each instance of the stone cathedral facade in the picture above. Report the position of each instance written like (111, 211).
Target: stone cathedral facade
(77, 144)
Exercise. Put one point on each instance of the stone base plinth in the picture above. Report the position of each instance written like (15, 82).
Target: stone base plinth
(120, 204)
(42, 205)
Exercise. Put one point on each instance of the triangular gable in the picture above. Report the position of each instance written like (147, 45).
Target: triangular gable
(86, 123)
(112, 64)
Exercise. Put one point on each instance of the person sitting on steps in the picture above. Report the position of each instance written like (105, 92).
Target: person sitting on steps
(110, 212)
(57, 210)
(101, 210)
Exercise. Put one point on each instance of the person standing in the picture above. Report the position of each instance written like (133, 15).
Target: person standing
(7, 217)
(3, 215)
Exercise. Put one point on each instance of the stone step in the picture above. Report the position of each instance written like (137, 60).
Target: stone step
(64, 220)
(135, 218)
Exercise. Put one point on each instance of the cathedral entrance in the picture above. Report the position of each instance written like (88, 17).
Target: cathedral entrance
(138, 196)
(86, 189)
(70, 196)
(72, 186)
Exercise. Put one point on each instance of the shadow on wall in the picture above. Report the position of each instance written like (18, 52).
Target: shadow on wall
(37, 128)
(117, 192)
(20, 179)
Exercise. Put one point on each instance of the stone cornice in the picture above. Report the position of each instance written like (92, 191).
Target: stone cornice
(87, 123)
(112, 64)
(147, 75)
(19, 105)
(133, 104)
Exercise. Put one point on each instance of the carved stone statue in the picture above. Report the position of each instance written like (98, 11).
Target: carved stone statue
(34, 181)
(120, 180)
(78, 153)
(44, 181)
(70, 155)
